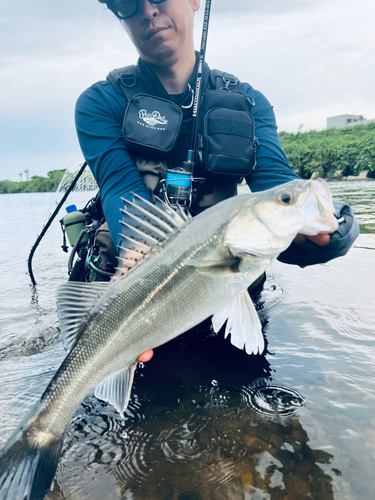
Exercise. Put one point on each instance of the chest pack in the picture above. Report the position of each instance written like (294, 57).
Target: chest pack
(226, 142)
(226, 131)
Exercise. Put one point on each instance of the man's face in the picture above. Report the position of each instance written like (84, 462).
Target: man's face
(162, 33)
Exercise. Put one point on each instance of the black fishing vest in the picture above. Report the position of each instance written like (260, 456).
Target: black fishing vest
(226, 142)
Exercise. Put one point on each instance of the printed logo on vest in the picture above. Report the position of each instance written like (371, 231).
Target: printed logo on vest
(152, 119)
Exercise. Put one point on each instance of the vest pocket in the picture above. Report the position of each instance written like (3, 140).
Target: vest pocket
(151, 126)
(228, 142)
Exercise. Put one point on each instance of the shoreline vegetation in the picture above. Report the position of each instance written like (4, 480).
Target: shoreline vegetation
(333, 154)
(37, 184)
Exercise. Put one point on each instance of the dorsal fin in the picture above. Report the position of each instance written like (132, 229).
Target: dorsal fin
(74, 304)
(156, 217)
(163, 211)
(132, 244)
(138, 235)
(182, 214)
(141, 224)
(144, 226)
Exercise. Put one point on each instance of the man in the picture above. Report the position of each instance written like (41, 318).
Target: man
(162, 32)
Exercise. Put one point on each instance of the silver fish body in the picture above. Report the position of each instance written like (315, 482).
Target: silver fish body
(195, 271)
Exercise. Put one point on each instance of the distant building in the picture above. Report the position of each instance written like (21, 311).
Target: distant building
(342, 121)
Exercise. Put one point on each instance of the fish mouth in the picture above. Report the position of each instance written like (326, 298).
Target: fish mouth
(319, 204)
(322, 197)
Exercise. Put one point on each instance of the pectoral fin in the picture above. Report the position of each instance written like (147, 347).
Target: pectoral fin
(242, 323)
(116, 390)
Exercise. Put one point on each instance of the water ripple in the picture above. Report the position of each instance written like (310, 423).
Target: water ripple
(268, 398)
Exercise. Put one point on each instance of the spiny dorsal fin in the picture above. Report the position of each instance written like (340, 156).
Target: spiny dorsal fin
(74, 304)
(144, 226)
(134, 245)
(152, 214)
(182, 214)
(163, 211)
(128, 231)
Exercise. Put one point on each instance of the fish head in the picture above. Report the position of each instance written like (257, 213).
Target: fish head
(268, 221)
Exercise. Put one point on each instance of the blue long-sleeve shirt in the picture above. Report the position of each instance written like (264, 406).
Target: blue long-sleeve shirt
(99, 117)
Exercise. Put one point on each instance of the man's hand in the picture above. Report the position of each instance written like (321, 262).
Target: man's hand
(321, 239)
(145, 356)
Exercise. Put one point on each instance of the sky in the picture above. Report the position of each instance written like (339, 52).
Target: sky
(311, 58)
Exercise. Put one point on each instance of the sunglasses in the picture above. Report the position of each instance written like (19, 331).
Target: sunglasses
(124, 9)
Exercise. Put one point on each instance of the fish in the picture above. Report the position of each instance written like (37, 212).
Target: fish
(174, 271)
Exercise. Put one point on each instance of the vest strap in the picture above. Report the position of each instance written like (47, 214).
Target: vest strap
(127, 82)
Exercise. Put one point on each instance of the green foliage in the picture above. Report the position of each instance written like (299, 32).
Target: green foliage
(36, 184)
(350, 149)
(9, 187)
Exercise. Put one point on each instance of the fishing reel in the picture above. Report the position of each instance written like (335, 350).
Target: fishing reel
(178, 188)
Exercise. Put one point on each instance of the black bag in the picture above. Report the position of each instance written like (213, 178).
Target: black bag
(151, 124)
(226, 133)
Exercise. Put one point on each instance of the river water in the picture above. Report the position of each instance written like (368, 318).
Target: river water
(205, 420)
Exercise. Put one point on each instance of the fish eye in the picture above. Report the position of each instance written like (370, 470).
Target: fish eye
(285, 198)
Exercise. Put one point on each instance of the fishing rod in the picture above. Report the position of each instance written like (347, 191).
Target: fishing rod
(50, 220)
(179, 180)
(202, 57)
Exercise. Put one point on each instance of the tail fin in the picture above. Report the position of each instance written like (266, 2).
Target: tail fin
(26, 470)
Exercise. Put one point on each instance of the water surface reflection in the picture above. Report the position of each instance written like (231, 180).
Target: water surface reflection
(194, 429)
(206, 421)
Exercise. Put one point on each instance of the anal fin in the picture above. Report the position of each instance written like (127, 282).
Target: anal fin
(116, 389)
(242, 323)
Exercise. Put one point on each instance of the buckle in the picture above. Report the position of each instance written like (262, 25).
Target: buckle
(229, 80)
(128, 80)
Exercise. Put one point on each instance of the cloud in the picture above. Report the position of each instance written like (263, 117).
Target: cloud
(312, 59)
(306, 62)
(259, 6)
(48, 63)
